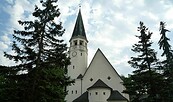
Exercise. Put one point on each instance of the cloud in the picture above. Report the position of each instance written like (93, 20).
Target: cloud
(3, 46)
(4, 61)
(110, 25)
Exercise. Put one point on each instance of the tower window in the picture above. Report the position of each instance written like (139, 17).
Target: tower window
(73, 67)
(72, 92)
(91, 79)
(76, 91)
(81, 42)
(75, 42)
(96, 93)
(81, 54)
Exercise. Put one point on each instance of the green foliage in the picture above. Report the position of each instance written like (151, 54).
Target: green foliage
(167, 64)
(50, 85)
(143, 84)
(40, 54)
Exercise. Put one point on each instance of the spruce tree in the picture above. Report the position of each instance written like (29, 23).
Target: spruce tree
(41, 57)
(142, 85)
(167, 64)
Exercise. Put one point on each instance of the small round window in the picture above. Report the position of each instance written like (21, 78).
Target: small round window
(109, 78)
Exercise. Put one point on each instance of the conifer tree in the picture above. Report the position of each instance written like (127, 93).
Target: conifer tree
(142, 85)
(41, 56)
(167, 64)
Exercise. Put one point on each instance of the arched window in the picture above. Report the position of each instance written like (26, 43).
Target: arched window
(75, 42)
(81, 42)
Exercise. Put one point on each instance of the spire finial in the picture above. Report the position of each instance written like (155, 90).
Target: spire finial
(79, 5)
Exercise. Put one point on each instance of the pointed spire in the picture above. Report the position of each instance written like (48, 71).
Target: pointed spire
(79, 30)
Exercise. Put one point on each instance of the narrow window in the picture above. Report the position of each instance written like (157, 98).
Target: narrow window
(81, 42)
(81, 54)
(76, 91)
(90, 94)
(75, 42)
(72, 92)
(73, 67)
(104, 93)
(96, 93)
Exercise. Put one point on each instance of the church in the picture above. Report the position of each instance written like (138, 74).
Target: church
(98, 82)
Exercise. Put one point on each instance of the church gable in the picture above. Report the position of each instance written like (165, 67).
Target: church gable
(100, 68)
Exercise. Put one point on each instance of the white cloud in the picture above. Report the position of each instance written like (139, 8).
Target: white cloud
(169, 13)
(3, 46)
(110, 25)
(5, 38)
(4, 61)
(10, 1)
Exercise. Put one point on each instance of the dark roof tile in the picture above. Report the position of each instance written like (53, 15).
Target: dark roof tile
(79, 30)
(80, 76)
(99, 84)
(82, 98)
(116, 96)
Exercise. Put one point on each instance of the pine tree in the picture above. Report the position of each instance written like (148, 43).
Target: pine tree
(167, 64)
(41, 57)
(142, 85)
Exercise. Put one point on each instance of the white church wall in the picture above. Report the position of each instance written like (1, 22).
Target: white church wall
(99, 94)
(74, 90)
(100, 68)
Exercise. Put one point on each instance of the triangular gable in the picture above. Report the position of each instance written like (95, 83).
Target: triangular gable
(101, 68)
(103, 56)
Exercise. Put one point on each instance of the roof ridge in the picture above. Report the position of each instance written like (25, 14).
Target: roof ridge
(99, 84)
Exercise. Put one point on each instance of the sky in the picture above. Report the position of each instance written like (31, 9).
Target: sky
(110, 25)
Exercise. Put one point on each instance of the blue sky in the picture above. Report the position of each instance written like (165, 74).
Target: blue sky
(110, 25)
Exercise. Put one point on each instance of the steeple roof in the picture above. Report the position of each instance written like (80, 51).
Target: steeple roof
(99, 84)
(79, 30)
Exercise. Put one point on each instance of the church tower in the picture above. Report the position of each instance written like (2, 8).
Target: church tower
(78, 53)
(78, 49)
